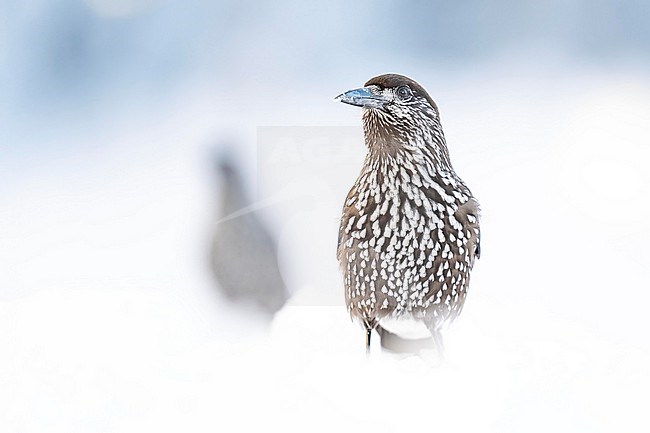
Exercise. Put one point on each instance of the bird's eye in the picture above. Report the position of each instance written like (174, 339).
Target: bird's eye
(404, 93)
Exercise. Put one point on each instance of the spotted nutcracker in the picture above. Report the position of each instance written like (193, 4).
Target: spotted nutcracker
(409, 233)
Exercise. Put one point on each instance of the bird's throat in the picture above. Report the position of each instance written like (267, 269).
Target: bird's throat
(421, 142)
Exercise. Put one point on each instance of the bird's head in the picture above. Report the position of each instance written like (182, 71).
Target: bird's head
(396, 109)
(391, 93)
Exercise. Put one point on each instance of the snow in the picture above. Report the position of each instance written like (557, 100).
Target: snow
(138, 360)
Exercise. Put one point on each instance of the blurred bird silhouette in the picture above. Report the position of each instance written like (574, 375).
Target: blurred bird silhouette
(244, 253)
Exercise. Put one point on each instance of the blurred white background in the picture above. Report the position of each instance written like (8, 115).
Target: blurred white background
(110, 114)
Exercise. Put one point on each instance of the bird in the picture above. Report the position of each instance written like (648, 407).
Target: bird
(244, 252)
(409, 232)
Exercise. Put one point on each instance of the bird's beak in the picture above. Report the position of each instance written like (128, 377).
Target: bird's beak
(362, 97)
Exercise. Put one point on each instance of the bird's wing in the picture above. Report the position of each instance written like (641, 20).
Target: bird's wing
(348, 211)
(469, 214)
